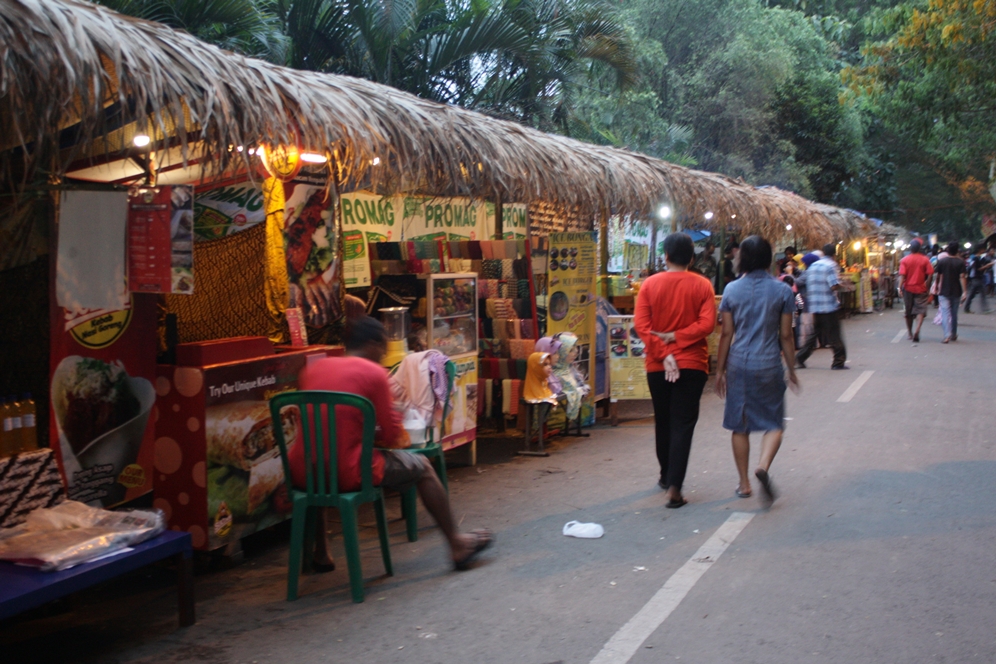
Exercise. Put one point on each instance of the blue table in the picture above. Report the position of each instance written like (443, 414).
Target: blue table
(23, 588)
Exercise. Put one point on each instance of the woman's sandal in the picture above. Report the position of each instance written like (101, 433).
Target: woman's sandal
(769, 489)
(742, 494)
(675, 503)
(485, 538)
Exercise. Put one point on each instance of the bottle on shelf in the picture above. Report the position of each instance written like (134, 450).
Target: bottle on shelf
(15, 423)
(29, 424)
(8, 445)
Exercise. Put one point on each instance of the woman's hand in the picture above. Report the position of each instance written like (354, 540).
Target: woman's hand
(666, 337)
(671, 371)
(794, 383)
(721, 384)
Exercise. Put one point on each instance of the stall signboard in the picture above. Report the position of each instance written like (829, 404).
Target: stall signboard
(627, 371)
(571, 293)
(366, 218)
(461, 422)
(219, 475)
(226, 210)
(102, 397)
(161, 240)
(426, 219)
(312, 252)
(514, 221)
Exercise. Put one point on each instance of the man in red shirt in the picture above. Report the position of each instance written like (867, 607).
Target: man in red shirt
(359, 372)
(675, 312)
(914, 281)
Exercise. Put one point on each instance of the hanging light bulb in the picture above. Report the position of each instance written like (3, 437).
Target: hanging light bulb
(141, 140)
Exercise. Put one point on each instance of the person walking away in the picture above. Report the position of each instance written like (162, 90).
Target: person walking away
(991, 257)
(977, 267)
(729, 263)
(822, 285)
(951, 288)
(359, 372)
(914, 280)
(756, 316)
(675, 312)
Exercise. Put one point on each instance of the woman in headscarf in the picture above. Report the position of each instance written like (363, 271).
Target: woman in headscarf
(550, 346)
(572, 384)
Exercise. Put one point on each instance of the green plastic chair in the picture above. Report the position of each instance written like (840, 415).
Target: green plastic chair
(434, 452)
(323, 481)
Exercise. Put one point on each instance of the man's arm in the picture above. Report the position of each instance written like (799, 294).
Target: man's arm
(705, 323)
(643, 322)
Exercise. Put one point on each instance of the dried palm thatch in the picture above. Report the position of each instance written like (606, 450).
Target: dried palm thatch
(99, 77)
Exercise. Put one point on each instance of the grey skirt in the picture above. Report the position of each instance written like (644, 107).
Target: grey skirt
(755, 399)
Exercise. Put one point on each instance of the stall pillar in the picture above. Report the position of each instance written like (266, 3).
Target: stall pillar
(603, 251)
(499, 223)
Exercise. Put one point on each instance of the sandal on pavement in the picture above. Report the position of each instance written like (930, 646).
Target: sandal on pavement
(322, 568)
(485, 538)
(675, 503)
(743, 494)
(765, 480)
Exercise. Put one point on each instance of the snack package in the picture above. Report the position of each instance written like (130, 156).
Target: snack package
(71, 533)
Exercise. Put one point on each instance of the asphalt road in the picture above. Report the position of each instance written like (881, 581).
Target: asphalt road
(880, 547)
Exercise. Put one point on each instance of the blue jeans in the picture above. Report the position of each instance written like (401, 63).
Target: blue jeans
(949, 316)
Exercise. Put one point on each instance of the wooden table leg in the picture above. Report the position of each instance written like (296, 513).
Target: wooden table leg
(185, 588)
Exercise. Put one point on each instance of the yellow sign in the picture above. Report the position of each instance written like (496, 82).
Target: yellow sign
(103, 330)
(571, 293)
(627, 372)
(132, 476)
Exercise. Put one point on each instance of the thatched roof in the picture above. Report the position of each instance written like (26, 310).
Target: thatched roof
(71, 65)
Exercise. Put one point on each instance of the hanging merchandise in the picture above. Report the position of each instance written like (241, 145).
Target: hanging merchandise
(161, 240)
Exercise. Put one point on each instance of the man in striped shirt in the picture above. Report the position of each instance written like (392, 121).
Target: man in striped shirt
(821, 301)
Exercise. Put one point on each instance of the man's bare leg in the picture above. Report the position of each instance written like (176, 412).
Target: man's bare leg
(323, 557)
(919, 323)
(741, 455)
(437, 503)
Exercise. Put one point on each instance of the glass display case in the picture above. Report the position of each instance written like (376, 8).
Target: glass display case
(451, 308)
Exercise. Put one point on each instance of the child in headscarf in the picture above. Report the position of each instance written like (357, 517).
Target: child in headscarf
(572, 384)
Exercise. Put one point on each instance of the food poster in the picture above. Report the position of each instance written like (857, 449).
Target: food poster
(102, 399)
(629, 245)
(161, 240)
(627, 371)
(461, 422)
(312, 254)
(223, 211)
(571, 293)
(219, 474)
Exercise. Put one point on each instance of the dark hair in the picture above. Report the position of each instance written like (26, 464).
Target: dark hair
(755, 254)
(952, 248)
(730, 246)
(916, 246)
(679, 249)
(790, 250)
(787, 279)
(364, 330)
(829, 249)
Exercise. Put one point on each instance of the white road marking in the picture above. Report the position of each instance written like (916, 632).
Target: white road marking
(624, 644)
(899, 337)
(855, 386)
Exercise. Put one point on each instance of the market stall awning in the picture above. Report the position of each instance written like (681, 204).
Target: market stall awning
(80, 81)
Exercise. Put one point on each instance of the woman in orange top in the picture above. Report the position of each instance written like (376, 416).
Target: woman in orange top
(675, 312)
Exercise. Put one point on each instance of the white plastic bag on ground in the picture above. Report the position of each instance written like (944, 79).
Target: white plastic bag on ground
(72, 533)
(583, 530)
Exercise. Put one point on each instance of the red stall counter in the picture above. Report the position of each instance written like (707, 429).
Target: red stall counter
(218, 473)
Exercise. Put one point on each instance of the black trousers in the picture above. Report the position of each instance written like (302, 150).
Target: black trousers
(826, 327)
(676, 411)
(976, 286)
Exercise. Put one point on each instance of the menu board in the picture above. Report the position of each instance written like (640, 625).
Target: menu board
(627, 372)
(161, 240)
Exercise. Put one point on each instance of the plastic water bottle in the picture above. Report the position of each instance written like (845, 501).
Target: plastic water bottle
(29, 424)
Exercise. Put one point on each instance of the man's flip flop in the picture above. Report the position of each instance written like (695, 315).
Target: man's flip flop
(485, 538)
(765, 480)
(675, 503)
(742, 494)
(322, 568)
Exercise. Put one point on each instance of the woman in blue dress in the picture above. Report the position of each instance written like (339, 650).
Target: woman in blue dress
(757, 335)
